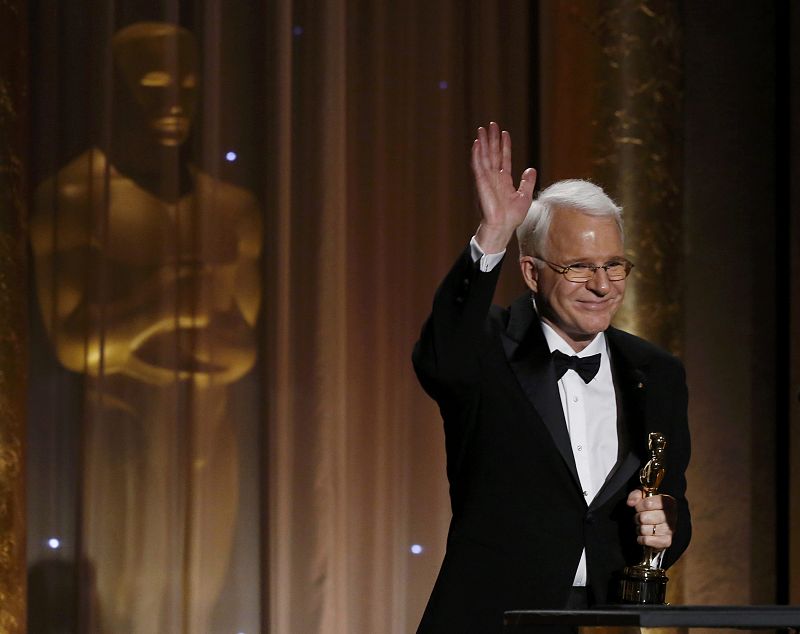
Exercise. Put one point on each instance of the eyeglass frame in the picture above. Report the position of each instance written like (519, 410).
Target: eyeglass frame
(563, 270)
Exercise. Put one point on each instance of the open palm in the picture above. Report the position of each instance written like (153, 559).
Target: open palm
(503, 206)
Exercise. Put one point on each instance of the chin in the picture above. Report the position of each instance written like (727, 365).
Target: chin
(593, 327)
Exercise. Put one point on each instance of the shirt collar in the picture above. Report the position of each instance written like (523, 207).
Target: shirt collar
(556, 342)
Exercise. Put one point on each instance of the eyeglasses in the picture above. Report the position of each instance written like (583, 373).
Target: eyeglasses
(581, 272)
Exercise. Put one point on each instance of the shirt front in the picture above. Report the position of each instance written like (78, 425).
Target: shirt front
(590, 411)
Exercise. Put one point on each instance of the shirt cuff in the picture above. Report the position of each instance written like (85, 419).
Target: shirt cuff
(487, 260)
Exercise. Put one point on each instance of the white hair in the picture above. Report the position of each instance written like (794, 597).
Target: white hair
(579, 195)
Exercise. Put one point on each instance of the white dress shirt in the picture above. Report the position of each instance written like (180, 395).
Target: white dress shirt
(487, 260)
(590, 411)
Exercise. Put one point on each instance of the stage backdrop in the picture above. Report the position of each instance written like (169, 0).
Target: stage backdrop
(239, 213)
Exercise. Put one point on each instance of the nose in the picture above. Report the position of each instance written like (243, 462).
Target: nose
(599, 284)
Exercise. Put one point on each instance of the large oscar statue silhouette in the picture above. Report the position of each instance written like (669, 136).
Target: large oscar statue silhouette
(147, 273)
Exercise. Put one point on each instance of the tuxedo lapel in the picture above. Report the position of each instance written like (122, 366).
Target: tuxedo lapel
(630, 381)
(529, 357)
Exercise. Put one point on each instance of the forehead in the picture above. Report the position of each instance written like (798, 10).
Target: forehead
(574, 234)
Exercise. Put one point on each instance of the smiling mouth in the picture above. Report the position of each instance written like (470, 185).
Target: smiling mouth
(596, 306)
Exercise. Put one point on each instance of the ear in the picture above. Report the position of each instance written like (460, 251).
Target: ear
(530, 272)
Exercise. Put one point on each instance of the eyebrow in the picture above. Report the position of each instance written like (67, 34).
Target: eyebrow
(585, 260)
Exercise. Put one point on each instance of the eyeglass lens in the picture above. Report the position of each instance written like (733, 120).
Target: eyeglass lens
(615, 272)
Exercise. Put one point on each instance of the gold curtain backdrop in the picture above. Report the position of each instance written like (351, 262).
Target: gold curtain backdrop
(239, 214)
(373, 121)
(238, 224)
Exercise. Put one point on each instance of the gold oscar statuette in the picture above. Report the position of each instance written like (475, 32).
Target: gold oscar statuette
(646, 583)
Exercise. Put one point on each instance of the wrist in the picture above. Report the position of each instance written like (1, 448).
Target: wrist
(493, 239)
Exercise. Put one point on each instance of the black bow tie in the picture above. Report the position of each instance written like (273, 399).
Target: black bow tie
(586, 367)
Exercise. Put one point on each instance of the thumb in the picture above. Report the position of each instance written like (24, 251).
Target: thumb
(527, 182)
(634, 497)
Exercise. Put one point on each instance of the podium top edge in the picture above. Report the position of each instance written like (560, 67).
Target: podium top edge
(753, 616)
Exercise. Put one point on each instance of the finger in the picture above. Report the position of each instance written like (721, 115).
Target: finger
(479, 169)
(527, 183)
(652, 503)
(658, 542)
(494, 147)
(634, 497)
(660, 501)
(650, 517)
(659, 528)
(475, 158)
(505, 143)
(483, 149)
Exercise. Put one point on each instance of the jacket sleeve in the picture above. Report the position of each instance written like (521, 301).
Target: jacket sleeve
(679, 452)
(446, 356)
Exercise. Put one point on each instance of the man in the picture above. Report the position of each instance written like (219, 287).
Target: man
(544, 450)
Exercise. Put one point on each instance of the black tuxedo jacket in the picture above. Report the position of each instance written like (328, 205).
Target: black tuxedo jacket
(520, 520)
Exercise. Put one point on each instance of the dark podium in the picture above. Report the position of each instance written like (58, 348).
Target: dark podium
(707, 616)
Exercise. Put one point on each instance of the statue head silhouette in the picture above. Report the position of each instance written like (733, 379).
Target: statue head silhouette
(158, 64)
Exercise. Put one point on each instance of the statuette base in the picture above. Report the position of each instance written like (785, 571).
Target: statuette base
(641, 585)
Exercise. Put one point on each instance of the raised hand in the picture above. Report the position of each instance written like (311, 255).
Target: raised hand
(503, 206)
